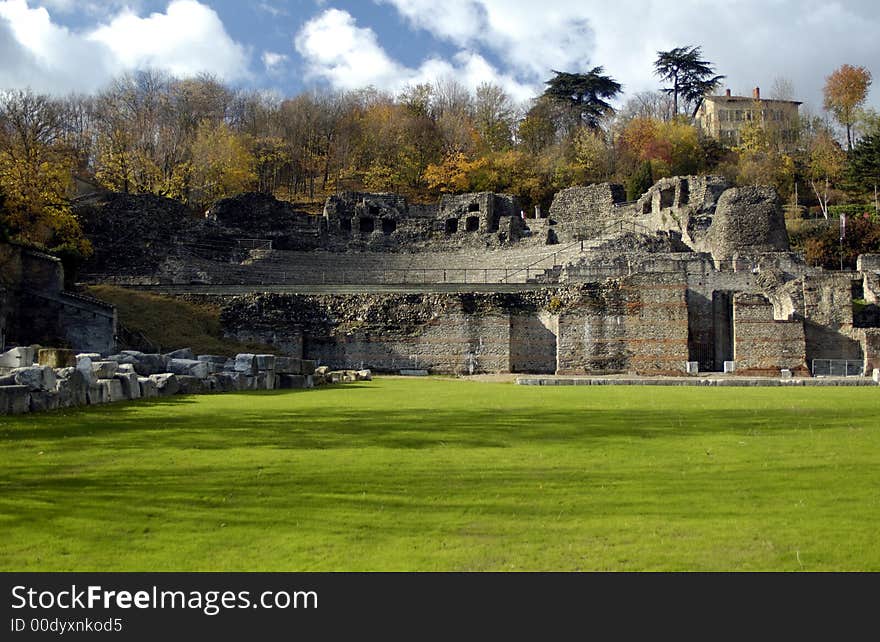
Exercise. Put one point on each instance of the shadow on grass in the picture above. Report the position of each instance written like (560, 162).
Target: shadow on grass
(243, 421)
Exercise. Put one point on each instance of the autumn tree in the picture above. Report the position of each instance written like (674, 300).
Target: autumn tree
(494, 115)
(762, 159)
(36, 174)
(825, 166)
(690, 77)
(537, 130)
(223, 166)
(845, 91)
(593, 154)
(143, 146)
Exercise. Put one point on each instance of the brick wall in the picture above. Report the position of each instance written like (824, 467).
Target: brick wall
(762, 345)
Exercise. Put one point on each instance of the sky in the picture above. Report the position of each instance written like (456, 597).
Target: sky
(289, 46)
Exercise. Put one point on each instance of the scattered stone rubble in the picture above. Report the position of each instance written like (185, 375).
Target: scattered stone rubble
(33, 380)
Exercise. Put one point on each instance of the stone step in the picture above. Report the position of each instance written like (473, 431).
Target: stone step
(237, 290)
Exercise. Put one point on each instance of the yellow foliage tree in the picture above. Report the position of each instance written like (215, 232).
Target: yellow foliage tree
(36, 176)
(454, 174)
(222, 164)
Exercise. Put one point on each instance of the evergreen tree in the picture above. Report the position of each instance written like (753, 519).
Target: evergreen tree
(640, 182)
(585, 95)
(863, 171)
(691, 78)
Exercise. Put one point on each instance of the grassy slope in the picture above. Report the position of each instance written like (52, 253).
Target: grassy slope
(449, 475)
(172, 323)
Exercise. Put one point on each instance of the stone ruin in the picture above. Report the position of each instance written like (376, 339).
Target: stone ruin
(49, 379)
(696, 276)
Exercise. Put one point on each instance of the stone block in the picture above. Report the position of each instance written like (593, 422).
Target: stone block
(309, 367)
(413, 373)
(214, 363)
(692, 367)
(133, 353)
(36, 378)
(288, 365)
(151, 364)
(184, 353)
(97, 394)
(265, 362)
(44, 400)
(126, 369)
(84, 366)
(17, 358)
(190, 385)
(166, 384)
(323, 371)
(189, 368)
(72, 388)
(112, 390)
(56, 358)
(105, 369)
(292, 382)
(122, 358)
(785, 374)
(93, 356)
(729, 367)
(343, 376)
(225, 382)
(14, 400)
(876, 375)
(364, 375)
(148, 387)
(246, 364)
(131, 387)
(212, 358)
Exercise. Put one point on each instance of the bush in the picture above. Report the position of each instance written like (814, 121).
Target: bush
(862, 237)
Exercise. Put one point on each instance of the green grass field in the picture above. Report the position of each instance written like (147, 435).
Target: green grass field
(449, 475)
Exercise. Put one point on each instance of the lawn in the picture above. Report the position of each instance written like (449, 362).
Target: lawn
(451, 475)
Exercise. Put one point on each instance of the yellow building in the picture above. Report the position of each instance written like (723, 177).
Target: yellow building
(723, 117)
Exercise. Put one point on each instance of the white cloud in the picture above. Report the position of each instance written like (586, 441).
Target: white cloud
(188, 38)
(273, 60)
(347, 56)
(750, 41)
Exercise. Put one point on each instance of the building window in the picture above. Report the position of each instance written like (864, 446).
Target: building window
(723, 116)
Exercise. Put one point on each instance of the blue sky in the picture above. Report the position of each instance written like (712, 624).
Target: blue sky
(288, 46)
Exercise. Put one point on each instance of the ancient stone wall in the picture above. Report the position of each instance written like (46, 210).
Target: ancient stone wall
(762, 345)
(585, 212)
(36, 309)
(748, 220)
(533, 342)
(638, 324)
(828, 315)
(711, 216)
(871, 345)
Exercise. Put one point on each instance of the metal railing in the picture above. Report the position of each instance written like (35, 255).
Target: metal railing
(536, 267)
(838, 368)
